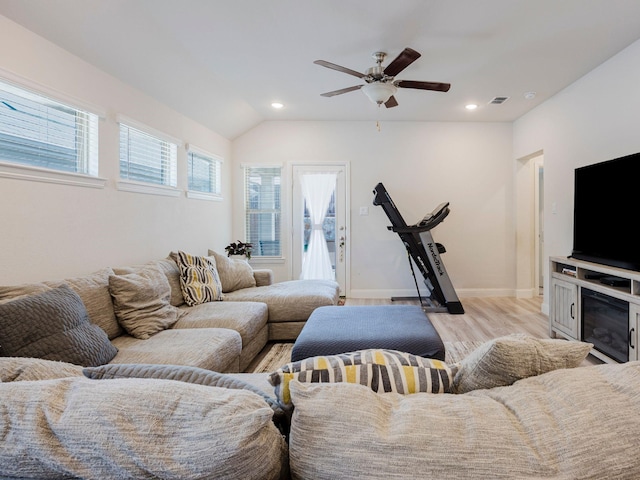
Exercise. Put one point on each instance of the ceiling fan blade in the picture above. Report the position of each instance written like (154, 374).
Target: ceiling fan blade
(437, 86)
(392, 102)
(402, 61)
(333, 66)
(341, 91)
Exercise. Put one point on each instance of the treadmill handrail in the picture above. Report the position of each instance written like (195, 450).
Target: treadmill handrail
(429, 221)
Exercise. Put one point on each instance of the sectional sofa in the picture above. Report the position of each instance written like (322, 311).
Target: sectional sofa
(512, 409)
(144, 316)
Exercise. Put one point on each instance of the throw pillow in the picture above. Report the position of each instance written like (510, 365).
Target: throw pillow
(21, 369)
(234, 273)
(381, 370)
(505, 360)
(53, 325)
(199, 279)
(141, 301)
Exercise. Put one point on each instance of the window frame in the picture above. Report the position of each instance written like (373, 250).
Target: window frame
(255, 255)
(138, 186)
(23, 171)
(216, 181)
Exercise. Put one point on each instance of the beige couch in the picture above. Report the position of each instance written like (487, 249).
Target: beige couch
(223, 336)
(567, 423)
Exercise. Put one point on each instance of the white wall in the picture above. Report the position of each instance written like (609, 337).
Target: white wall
(50, 231)
(593, 120)
(421, 164)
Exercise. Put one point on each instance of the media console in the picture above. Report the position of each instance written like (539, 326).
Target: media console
(595, 303)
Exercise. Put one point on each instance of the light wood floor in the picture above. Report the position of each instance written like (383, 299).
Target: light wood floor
(485, 318)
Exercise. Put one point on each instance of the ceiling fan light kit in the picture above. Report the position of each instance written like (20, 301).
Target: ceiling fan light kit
(380, 84)
(379, 93)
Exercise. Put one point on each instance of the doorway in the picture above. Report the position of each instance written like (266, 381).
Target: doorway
(320, 243)
(531, 264)
(538, 247)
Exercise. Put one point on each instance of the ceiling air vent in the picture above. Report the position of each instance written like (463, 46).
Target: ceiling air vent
(498, 100)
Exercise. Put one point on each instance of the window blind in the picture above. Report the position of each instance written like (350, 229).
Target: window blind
(42, 132)
(263, 210)
(203, 172)
(147, 158)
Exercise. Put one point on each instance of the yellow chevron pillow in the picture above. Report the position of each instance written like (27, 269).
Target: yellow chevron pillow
(199, 280)
(381, 370)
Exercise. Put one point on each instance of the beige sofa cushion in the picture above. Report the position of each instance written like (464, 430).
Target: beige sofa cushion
(234, 273)
(507, 359)
(141, 301)
(216, 349)
(566, 424)
(171, 271)
(263, 276)
(181, 373)
(16, 369)
(290, 301)
(9, 292)
(94, 292)
(246, 318)
(136, 428)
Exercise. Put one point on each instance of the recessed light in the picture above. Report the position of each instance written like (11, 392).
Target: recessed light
(277, 105)
(471, 106)
(530, 95)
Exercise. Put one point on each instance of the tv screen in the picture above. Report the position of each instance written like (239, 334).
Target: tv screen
(605, 220)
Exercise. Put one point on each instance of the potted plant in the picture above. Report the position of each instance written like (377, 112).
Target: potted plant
(239, 248)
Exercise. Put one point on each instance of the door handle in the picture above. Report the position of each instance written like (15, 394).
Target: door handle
(571, 311)
(631, 332)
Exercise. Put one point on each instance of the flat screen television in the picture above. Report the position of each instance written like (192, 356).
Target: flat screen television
(607, 213)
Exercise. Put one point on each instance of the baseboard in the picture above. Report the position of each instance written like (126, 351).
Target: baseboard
(462, 293)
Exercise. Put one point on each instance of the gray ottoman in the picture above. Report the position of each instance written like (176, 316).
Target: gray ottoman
(333, 330)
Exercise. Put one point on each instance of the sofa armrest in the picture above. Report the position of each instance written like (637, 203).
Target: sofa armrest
(263, 276)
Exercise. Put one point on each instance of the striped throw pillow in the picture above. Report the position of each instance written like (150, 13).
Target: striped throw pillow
(381, 370)
(199, 280)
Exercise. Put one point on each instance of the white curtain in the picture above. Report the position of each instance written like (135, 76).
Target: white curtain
(317, 189)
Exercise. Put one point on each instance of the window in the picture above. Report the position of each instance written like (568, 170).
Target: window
(203, 173)
(37, 131)
(263, 210)
(147, 158)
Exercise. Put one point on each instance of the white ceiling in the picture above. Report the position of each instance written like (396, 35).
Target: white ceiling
(222, 62)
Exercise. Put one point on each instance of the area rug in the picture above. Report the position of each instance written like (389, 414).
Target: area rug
(280, 353)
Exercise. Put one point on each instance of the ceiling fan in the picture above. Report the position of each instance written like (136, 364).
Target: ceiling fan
(381, 85)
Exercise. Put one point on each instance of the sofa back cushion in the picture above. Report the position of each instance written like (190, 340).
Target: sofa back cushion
(169, 268)
(141, 302)
(93, 289)
(21, 369)
(136, 428)
(53, 325)
(234, 273)
(566, 424)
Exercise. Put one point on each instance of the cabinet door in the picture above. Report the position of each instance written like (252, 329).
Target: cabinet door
(634, 323)
(563, 314)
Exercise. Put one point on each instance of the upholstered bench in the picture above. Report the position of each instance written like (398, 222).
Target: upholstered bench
(333, 330)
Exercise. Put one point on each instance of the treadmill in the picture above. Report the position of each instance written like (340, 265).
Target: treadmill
(425, 253)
